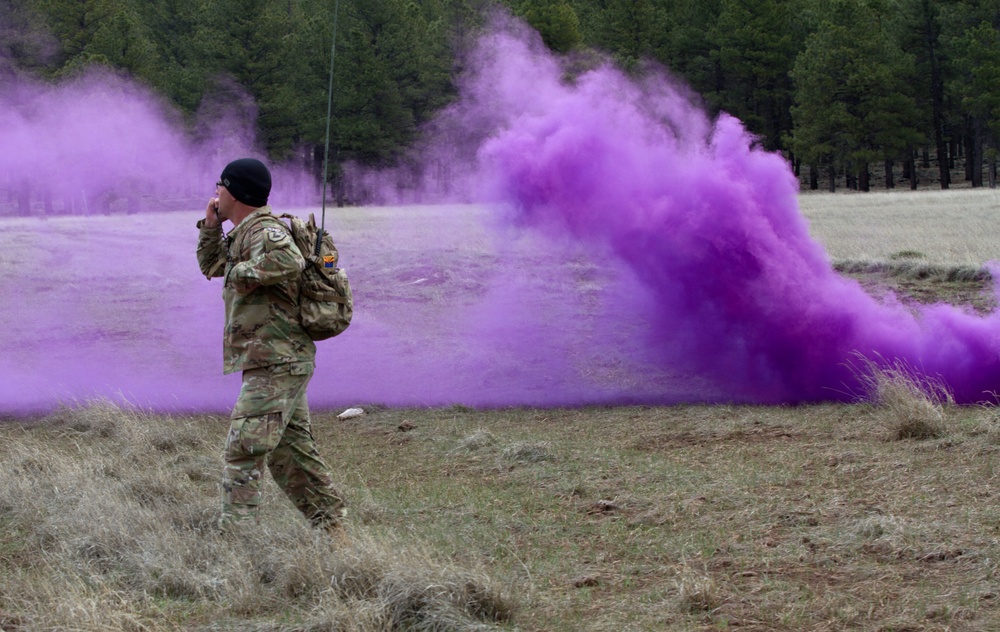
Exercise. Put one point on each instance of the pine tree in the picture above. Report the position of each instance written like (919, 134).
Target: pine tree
(556, 21)
(854, 102)
(977, 89)
(754, 48)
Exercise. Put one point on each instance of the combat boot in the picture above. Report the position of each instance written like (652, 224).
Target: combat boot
(338, 533)
(236, 528)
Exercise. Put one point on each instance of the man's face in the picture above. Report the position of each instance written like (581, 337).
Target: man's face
(226, 201)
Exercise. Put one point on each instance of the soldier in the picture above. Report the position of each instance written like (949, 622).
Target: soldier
(263, 338)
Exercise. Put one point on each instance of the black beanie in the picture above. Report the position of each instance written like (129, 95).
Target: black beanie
(248, 180)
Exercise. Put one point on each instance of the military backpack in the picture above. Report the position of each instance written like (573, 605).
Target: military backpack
(325, 300)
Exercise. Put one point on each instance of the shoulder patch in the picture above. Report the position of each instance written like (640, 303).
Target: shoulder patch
(275, 234)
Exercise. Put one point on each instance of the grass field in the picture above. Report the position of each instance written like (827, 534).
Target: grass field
(874, 516)
(946, 228)
(930, 246)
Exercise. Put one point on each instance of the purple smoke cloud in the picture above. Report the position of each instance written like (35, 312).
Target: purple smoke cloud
(710, 225)
(100, 143)
(633, 251)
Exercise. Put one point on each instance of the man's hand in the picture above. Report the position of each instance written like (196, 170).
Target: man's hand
(212, 219)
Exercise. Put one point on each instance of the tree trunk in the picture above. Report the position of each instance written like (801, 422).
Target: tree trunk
(931, 33)
(911, 166)
(942, 159)
(24, 199)
(851, 180)
(975, 153)
(864, 178)
(813, 178)
(943, 172)
(967, 155)
(833, 179)
(890, 182)
(968, 140)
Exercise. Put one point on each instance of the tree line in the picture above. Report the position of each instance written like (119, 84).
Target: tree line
(839, 86)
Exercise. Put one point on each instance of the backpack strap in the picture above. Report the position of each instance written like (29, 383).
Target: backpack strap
(303, 237)
(324, 297)
(247, 232)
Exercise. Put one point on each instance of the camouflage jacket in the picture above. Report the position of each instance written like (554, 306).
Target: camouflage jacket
(261, 266)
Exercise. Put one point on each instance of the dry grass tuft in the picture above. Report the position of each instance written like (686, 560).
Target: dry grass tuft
(476, 441)
(909, 404)
(917, 428)
(509, 455)
(907, 254)
(527, 452)
(420, 593)
(696, 591)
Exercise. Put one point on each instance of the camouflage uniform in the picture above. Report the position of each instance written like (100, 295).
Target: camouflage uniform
(270, 422)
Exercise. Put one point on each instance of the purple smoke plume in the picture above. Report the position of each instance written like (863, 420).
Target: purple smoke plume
(710, 225)
(634, 250)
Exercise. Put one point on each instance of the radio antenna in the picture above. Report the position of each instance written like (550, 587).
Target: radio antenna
(329, 115)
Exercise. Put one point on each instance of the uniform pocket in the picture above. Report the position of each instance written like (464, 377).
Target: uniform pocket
(253, 436)
(272, 389)
(260, 394)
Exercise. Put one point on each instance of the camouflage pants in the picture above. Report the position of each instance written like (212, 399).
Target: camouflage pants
(270, 424)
